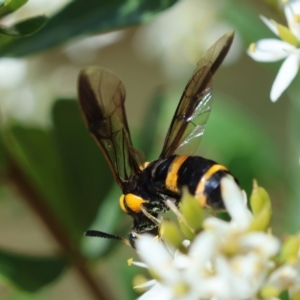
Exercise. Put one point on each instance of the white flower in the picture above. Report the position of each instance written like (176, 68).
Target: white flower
(288, 48)
(226, 261)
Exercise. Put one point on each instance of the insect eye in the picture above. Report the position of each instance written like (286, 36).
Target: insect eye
(131, 203)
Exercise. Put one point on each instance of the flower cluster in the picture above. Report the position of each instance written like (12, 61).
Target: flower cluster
(288, 48)
(236, 259)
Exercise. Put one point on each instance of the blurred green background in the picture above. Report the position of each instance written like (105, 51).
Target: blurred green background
(55, 183)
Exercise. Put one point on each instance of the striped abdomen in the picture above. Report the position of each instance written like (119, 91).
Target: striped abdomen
(201, 176)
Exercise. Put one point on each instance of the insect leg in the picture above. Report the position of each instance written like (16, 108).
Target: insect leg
(169, 202)
(149, 216)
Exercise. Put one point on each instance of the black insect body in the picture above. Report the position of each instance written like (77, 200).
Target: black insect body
(146, 186)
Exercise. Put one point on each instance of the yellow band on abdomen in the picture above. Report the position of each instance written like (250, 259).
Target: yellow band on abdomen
(199, 193)
(172, 176)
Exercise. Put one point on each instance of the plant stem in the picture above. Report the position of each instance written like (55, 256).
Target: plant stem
(38, 205)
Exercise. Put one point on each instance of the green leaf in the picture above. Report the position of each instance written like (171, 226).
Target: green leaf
(2, 156)
(22, 29)
(86, 171)
(88, 177)
(146, 135)
(65, 166)
(35, 152)
(67, 170)
(291, 221)
(84, 17)
(10, 6)
(109, 219)
(30, 273)
(243, 144)
(284, 295)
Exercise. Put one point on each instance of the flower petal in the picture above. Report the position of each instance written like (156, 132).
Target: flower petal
(219, 285)
(153, 253)
(283, 277)
(264, 244)
(139, 264)
(292, 14)
(157, 292)
(217, 225)
(268, 50)
(272, 26)
(234, 202)
(147, 284)
(286, 74)
(203, 247)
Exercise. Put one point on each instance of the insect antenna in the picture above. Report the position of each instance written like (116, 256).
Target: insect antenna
(101, 234)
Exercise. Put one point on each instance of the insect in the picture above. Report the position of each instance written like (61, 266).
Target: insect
(146, 186)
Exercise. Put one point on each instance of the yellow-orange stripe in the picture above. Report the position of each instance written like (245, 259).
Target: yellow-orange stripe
(199, 194)
(172, 176)
(134, 202)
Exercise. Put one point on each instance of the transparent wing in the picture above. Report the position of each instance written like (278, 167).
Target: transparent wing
(102, 96)
(188, 124)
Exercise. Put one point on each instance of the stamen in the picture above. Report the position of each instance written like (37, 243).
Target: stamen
(252, 47)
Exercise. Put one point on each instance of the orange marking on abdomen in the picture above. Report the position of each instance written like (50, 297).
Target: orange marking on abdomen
(172, 176)
(199, 193)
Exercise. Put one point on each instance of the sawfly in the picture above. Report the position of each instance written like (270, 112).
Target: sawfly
(146, 186)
